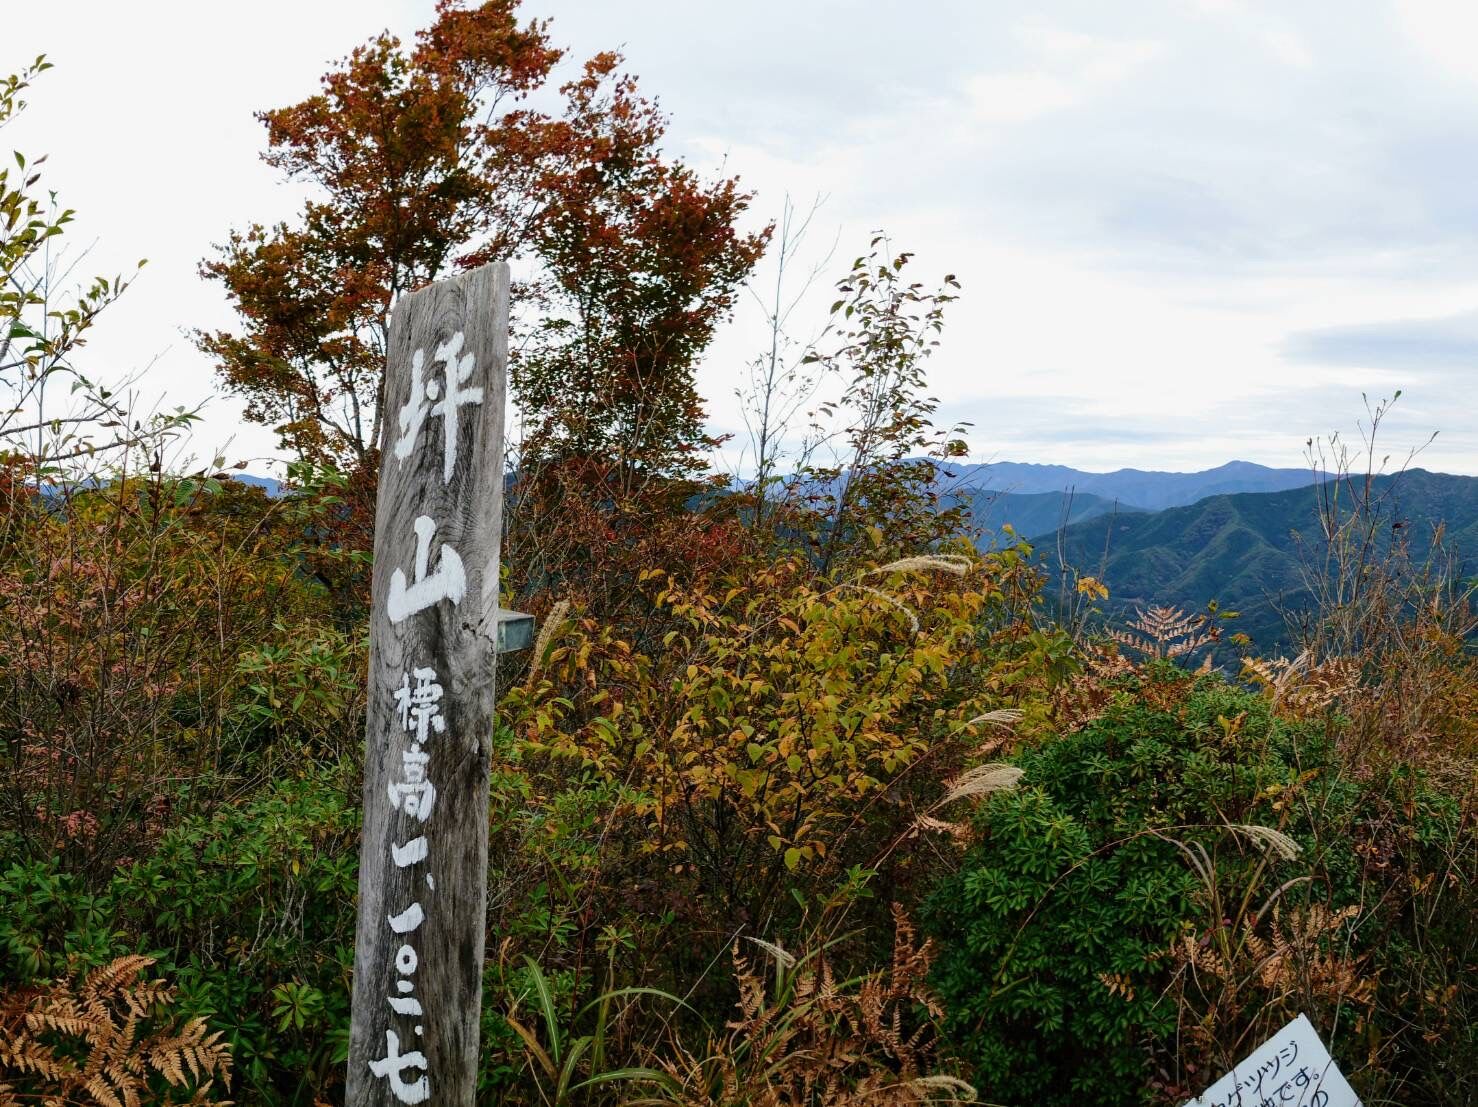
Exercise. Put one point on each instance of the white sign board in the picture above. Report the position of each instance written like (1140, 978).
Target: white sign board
(1290, 1069)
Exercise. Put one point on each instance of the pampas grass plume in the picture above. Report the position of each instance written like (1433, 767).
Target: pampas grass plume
(982, 780)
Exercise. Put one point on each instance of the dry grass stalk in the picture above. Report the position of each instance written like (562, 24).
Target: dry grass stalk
(783, 957)
(1003, 719)
(1265, 836)
(982, 780)
(816, 1042)
(1004, 716)
(551, 623)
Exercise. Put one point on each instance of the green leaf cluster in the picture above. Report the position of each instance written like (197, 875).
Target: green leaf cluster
(1083, 930)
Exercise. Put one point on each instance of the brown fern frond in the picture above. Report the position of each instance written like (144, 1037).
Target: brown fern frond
(960, 832)
(1164, 633)
(1086, 696)
(109, 980)
(101, 1091)
(119, 1028)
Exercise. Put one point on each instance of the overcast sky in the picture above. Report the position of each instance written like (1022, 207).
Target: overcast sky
(1187, 231)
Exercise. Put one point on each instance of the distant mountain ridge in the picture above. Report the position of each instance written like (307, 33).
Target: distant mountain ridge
(1230, 534)
(272, 487)
(1244, 550)
(1147, 490)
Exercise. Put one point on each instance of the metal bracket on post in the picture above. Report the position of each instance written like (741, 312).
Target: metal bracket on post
(515, 631)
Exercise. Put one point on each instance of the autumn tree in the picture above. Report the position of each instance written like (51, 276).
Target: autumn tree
(416, 156)
(423, 161)
(642, 259)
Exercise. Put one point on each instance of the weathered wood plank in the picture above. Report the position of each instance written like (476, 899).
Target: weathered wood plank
(423, 864)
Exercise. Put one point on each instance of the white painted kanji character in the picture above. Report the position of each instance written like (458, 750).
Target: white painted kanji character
(414, 793)
(449, 582)
(457, 372)
(420, 705)
(413, 851)
(429, 398)
(413, 413)
(405, 1005)
(408, 920)
(415, 797)
(392, 1067)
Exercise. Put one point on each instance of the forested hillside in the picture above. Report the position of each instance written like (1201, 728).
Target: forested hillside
(1031, 513)
(1261, 554)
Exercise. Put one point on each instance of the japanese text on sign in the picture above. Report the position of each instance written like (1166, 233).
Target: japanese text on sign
(417, 700)
(1290, 1069)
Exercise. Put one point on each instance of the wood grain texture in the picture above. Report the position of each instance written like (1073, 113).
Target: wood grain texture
(457, 640)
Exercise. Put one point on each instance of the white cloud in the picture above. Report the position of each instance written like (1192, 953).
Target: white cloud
(1288, 47)
(1446, 31)
(1067, 68)
(1017, 97)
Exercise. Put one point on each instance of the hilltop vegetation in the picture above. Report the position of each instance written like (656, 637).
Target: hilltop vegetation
(799, 798)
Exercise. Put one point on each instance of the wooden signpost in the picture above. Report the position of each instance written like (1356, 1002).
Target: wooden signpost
(434, 635)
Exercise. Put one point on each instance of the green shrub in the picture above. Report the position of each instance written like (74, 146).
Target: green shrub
(1061, 894)
(1182, 876)
(52, 926)
(253, 910)
(300, 696)
(248, 912)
